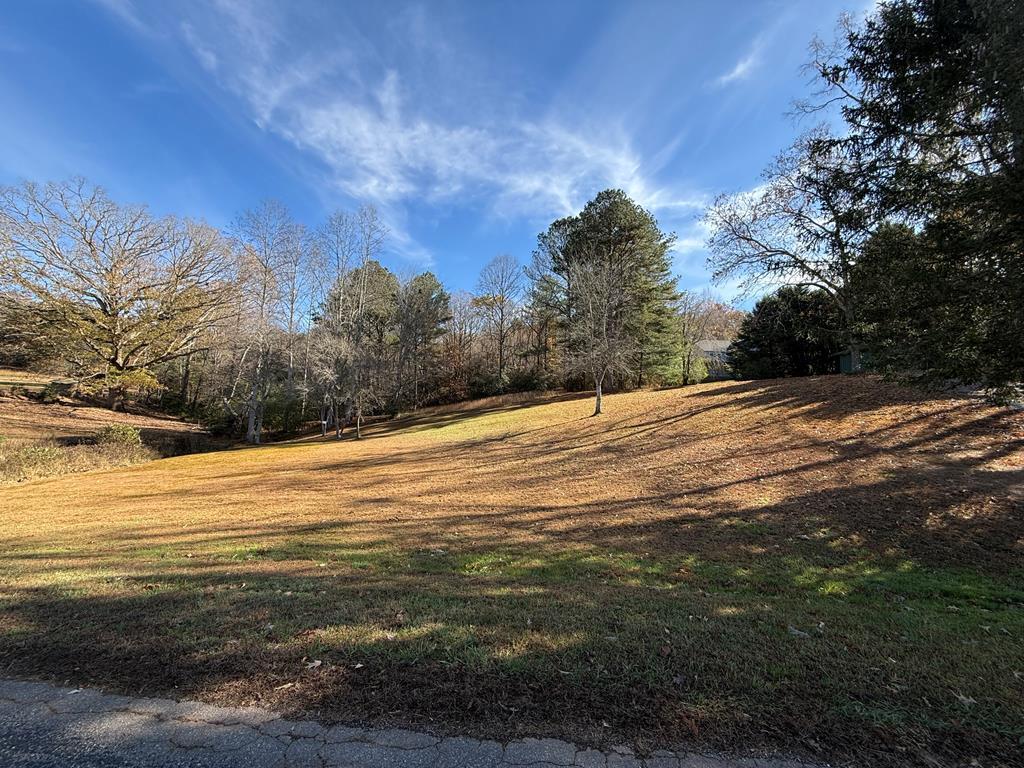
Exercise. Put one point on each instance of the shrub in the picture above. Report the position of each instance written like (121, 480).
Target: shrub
(53, 392)
(22, 460)
(525, 380)
(120, 434)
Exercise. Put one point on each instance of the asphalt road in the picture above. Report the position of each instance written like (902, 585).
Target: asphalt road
(45, 726)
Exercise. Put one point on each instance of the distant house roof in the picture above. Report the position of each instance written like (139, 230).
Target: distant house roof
(713, 346)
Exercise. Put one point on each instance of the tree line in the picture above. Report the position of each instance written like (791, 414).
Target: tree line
(899, 238)
(270, 325)
(904, 228)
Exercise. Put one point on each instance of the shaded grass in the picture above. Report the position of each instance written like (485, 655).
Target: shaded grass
(19, 379)
(639, 642)
(23, 460)
(826, 567)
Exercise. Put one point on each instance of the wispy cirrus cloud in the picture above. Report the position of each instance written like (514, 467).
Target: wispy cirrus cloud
(380, 140)
(125, 11)
(746, 66)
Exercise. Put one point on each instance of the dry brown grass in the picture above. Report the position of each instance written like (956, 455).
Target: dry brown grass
(829, 565)
(25, 460)
(69, 421)
(46, 439)
(20, 378)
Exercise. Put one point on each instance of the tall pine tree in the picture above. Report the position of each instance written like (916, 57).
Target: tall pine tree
(614, 231)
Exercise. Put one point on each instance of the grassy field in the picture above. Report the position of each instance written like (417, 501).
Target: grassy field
(16, 378)
(56, 437)
(832, 567)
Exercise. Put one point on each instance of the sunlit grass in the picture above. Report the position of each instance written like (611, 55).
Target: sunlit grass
(535, 569)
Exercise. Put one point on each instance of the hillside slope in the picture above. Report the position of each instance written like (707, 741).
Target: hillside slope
(829, 565)
(69, 421)
(41, 439)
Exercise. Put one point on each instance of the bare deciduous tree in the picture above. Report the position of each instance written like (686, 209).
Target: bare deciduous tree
(600, 342)
(370, 307)
(500, 286)
(701, 317)
(330, 345)
(457, 344)
(118, 290)
(266, 241)
(801, 227)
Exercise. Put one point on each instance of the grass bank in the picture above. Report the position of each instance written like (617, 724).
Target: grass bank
(831, 567)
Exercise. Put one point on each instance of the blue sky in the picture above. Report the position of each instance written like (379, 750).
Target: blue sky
(471, 125)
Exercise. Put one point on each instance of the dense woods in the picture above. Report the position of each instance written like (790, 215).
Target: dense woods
(909, 215)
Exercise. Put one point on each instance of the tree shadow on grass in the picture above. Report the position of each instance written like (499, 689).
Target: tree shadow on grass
(847, 584)
(593, 645)
(926, 486)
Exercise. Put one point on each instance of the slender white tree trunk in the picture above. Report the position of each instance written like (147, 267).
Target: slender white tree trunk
(259, 423)
(251, 435)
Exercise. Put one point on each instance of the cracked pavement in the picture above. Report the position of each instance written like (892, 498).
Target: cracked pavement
(46, 726)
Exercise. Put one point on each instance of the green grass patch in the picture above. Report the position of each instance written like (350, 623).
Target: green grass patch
(639, 578)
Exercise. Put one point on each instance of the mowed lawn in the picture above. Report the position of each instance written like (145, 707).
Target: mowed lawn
(829, 566)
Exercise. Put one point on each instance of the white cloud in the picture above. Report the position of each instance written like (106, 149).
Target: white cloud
(381, 143)
(742, 69)
(380, 149)
(206, 58)
(745, 66)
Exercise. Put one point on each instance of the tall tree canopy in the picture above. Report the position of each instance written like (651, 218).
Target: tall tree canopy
(606, 275)
(112, 289)
(423, 309)
(794, 331)
(912, 218)
(933, 95)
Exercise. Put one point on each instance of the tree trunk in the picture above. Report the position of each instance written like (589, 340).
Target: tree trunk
(194, 402)
(855, 359)
(251, 436)
(851, 340)
(259, 423)
(415, 378)
(501, 362)
(115, 398)
(183, 392)
(597, 396)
